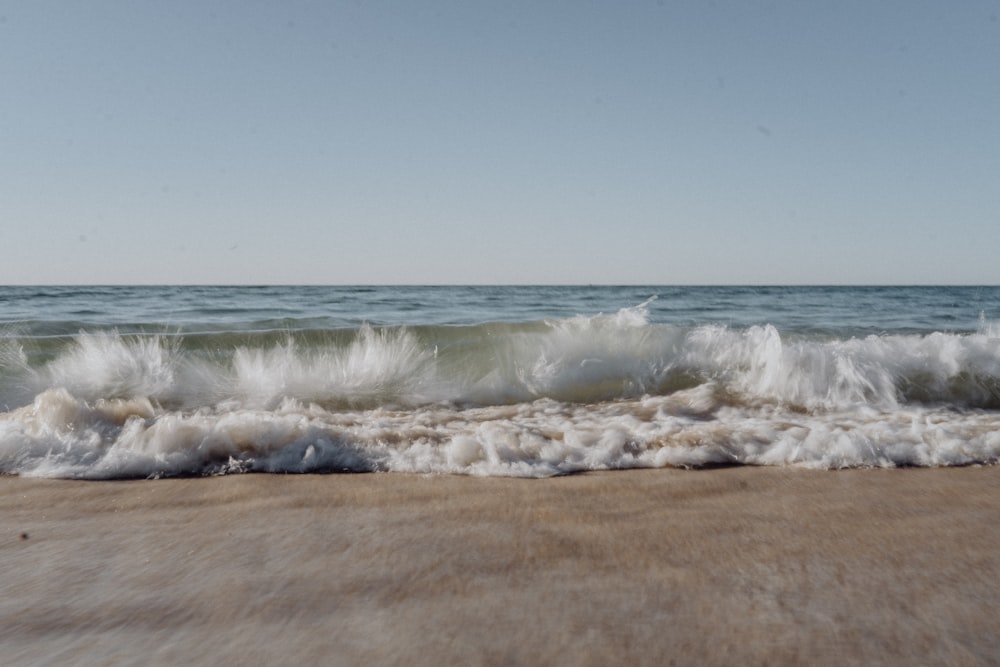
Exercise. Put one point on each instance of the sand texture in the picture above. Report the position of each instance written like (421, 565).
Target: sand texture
(735, 566)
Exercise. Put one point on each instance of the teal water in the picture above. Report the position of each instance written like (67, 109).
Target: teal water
(105, 382)
(842, 310)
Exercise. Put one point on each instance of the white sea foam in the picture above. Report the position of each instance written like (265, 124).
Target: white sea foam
(988, 328)
(381, 365)
(60, 435)
(567, 395)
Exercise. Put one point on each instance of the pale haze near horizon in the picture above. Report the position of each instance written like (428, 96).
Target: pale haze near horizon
(372, 142)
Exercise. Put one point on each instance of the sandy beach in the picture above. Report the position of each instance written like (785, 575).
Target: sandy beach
(723, 566)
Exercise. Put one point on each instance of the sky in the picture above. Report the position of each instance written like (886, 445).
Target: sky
(372, 142)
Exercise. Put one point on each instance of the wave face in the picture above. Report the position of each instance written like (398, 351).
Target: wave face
(529, 398)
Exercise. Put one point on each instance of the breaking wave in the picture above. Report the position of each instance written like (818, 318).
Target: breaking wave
(526, 399)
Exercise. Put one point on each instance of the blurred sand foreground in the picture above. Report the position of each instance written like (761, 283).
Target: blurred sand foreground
(725, 566)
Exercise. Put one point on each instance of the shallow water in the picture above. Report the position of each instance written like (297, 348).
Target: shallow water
(109, 382)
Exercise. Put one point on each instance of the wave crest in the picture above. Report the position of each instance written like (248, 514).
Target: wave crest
(531, 399)
(581, 359)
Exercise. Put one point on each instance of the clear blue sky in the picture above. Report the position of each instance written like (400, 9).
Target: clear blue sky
(482, 142)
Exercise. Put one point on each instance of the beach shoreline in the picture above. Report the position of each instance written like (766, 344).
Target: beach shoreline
(741, 565)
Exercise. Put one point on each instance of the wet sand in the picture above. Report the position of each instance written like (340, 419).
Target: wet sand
(658, 567)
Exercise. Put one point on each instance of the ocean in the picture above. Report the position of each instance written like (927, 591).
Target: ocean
(148, 382)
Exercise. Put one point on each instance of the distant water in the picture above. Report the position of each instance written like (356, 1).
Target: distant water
(116, 382)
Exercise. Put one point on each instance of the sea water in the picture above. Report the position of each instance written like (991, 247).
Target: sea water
(123, 382)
